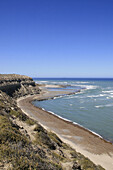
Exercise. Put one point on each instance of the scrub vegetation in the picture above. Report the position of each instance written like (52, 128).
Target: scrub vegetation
(25, 144)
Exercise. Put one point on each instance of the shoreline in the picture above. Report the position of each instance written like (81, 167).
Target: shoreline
(84, 141)
(76, 124)
(67, 120)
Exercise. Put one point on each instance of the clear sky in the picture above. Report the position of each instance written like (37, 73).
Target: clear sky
(57, 38)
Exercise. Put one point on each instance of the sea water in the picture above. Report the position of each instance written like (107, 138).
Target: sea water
(91, 108)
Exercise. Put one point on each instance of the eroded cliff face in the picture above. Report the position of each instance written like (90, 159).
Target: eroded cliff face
(24, 143)
(17, 85)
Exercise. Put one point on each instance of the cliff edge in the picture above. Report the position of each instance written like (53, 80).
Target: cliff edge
(24, 143)
(17, 85)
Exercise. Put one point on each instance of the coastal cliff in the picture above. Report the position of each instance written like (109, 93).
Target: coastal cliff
(24, 143)
(17, 85)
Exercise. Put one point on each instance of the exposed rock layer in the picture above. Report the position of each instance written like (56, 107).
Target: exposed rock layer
(17, 85)
(24, 143)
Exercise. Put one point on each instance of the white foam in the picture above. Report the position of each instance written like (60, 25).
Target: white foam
(88, 130)
(87, 87)
(99, 95)
(93, 96)
(109, 94)
(74, 123)
(77, 124)
(43, 109)
(71, 97)
(41, 82)
(59, 83)
(98, 106)
(96, 134)
(82, 82)
(51, 112)
(107, 105)
(110, 91)
(102, 94)
(57, 97)
(91, 87)
(60, 116)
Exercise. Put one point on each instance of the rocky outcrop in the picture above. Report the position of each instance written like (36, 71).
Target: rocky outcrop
(24, 143)
(17, 85)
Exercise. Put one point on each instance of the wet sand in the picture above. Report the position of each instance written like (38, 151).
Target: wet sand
(90, 145)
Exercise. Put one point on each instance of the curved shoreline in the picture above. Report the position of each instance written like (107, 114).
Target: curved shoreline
(68, 120)
(73, 123)
(84, 141)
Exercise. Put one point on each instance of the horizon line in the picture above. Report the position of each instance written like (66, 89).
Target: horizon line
(77, 77)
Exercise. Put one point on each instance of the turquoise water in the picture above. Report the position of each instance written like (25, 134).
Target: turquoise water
(92, 107)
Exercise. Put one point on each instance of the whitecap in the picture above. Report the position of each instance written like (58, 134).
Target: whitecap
(93, 96)
(99, 95)
(59, 83)
(102, 94)
(87, 87)
(82, 82)
(41, 82)
(107, 105)
(98, 106)
(71, 97)
(91, 87)
(110, 91)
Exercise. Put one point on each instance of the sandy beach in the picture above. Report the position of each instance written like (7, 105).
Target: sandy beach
(90, 145)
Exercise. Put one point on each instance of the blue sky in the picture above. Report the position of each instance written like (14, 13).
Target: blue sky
(57, 38)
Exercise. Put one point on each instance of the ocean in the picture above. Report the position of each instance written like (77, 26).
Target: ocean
(91, 108)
